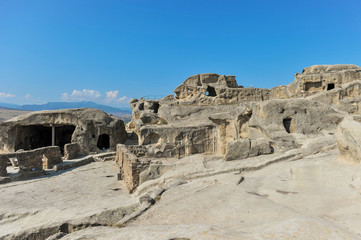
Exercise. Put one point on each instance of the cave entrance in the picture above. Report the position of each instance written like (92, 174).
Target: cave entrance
(330, 86)
(103, 142)
(37, 136)
(155, 107)
(63, 135)
(287, 122)
(33, 136)
(211, 92)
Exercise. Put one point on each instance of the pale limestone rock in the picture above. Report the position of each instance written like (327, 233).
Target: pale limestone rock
(238, 149)
(244, 148)
(318, 78)
(349, 140)
(259, 147)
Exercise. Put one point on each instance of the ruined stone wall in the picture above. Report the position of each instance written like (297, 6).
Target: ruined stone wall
(131, 166)
(38, 159)
(4, 160)
(34, 160)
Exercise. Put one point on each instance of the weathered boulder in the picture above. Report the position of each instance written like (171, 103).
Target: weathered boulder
(260, 147)
(72, 151)
(238, 149)
(349, 140)
(244, 148)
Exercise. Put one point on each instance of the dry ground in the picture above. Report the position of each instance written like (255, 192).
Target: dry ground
(6, 114)
(315, 197)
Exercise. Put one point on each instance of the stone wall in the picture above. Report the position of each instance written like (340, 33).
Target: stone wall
(4, 160)
(38, 159)
(33, 160)
(131, 166)
(72, 151)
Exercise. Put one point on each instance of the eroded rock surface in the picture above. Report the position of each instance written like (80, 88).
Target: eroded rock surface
(349, 140)
(92, 129)
(171, 178)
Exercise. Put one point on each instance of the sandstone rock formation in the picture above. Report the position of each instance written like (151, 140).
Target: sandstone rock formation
(92, 129)
(211, 88)
(211, 114)
(345, 98)
(349, 140)
(245, 148)
(318, 78)
(215, 161)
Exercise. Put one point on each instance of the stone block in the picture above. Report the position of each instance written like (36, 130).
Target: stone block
(72, 151)
(238, 149)
(260, 147)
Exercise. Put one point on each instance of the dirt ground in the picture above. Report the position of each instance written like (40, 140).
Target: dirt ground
(6, 114)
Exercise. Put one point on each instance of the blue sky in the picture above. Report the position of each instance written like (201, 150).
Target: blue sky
(109, 51)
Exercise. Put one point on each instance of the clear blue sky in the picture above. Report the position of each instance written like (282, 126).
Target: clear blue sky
(55, 50)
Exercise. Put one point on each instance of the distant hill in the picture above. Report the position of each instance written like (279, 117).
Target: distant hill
(124, 113)
(68, 105)
(9, 106)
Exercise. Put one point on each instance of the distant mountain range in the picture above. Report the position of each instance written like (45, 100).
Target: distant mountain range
(120, 112)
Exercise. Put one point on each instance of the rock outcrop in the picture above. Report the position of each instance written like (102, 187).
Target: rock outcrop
(92, 129)
(212, 114)
(346, 98)
(245, 148)
(211, 88)
(318, 78)
(349, 140)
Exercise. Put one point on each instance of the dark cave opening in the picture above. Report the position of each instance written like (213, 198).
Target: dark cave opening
(103, 142)
(37, 136)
